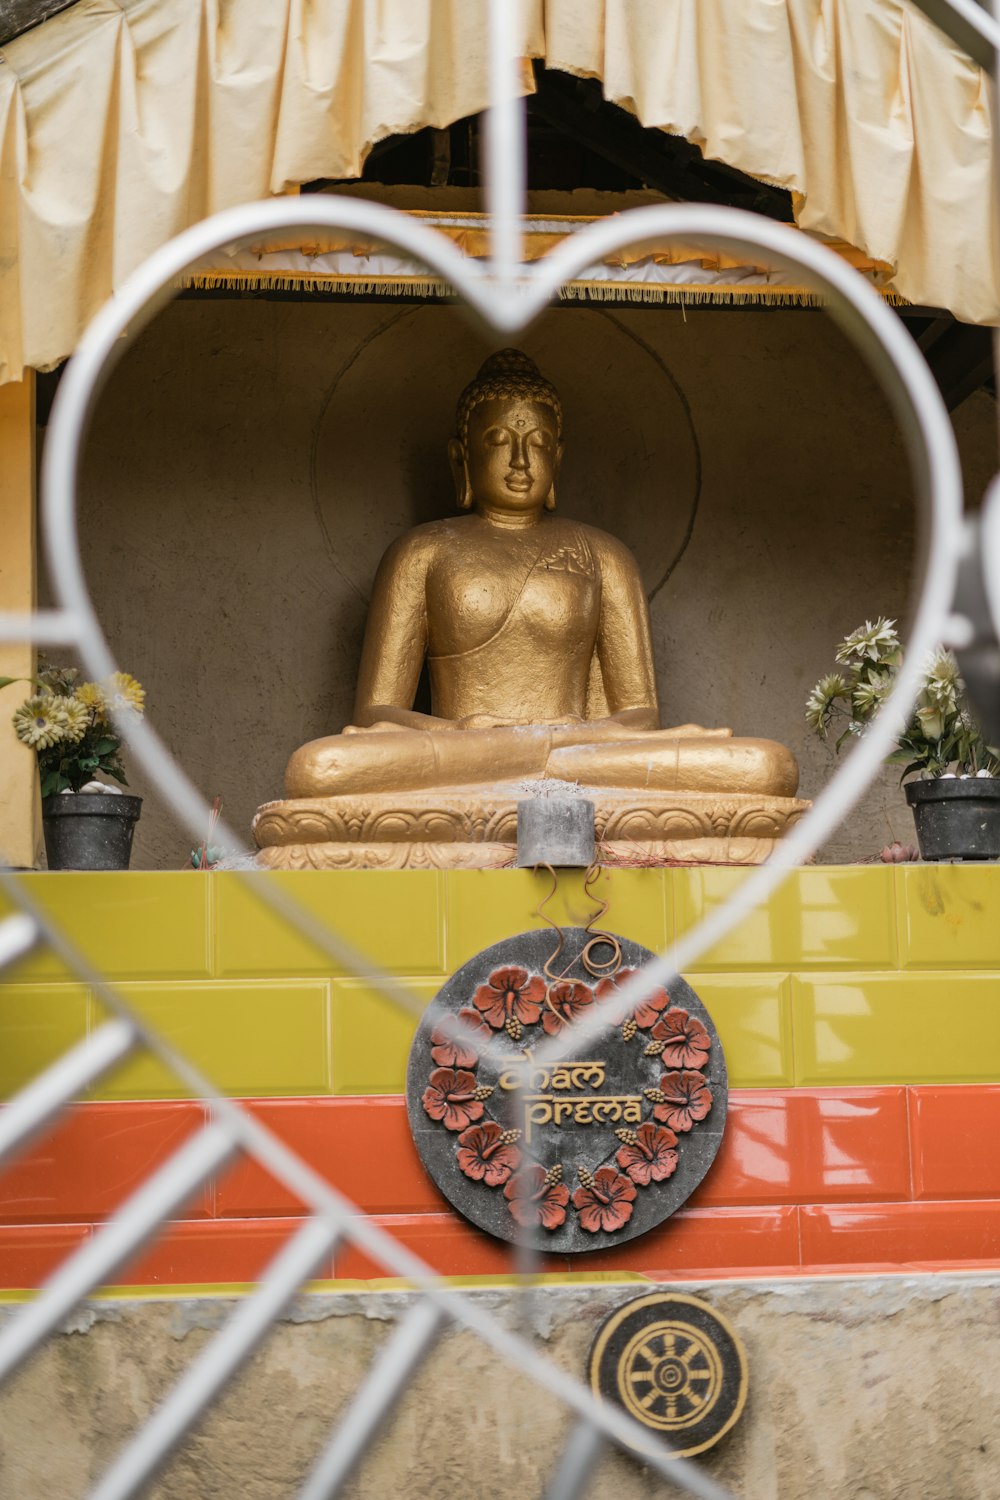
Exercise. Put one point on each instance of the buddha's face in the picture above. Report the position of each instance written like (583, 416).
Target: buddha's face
(512, 455)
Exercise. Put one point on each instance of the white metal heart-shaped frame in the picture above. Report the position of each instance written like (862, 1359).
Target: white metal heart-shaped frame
(507, 296)
(508, 304)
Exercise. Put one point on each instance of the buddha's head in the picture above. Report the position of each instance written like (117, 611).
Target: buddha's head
(506, 451)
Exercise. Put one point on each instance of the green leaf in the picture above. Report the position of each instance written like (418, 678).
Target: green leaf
(915, 765)
(52, 783)
(105, 747)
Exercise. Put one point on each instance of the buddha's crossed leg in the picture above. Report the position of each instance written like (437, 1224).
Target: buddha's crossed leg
(380, 761)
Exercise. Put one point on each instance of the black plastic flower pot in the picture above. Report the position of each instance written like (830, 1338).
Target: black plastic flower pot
(89, 830)
(956, 819)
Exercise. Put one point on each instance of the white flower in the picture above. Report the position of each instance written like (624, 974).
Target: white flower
(870, 642)
(870, 693)
(819, 704)
(41, 721)
(942, 684)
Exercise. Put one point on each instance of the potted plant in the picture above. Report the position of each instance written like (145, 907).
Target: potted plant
(88, 825)
(956, 800)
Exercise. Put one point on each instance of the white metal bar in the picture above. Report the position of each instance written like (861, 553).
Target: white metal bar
(392, 1368)
(217, 1363)
(159, 1196)
(506, 143)
(35, 1107)
(576, 1466)
(49, 627)
(18, 935)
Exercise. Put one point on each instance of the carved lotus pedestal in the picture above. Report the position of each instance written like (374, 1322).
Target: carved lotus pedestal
(475, 828)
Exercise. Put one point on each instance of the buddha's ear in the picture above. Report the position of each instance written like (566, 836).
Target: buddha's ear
(550, 499)
(460, 474)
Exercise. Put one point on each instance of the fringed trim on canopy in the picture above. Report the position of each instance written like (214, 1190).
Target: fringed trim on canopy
(574, 291)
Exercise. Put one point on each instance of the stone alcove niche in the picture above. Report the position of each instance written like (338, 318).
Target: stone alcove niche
(251, 459)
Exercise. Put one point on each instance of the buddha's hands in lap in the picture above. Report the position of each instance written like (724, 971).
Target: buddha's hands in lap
(696, 732)
(568, 730)
(601, 730)
(382, 725)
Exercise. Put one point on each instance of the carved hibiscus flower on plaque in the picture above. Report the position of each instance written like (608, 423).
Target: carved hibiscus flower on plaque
(488, 1154)
(605, 1200)
(681, 1100)
(452, 1047)
(648, 1154)
(511, 999)
(453, 1097)
(538, 1198)
(590, 1108)
(565, 1003)
(648, 1011)
(681, 1040)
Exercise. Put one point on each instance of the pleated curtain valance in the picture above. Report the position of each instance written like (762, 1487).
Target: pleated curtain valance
(124, 121)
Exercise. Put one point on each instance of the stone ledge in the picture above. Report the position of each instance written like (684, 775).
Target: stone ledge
(843, 1373)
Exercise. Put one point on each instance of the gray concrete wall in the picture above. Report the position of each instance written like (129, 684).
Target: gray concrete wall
(860, 1389)
(251, 460)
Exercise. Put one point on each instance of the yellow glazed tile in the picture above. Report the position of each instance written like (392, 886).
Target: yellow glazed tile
(821, 916)
(264, 1038)
(392, 917)
(38, 1022)
(486, 906)
(896, 1028)
(371, 1035)
(130, 925)
(753, 1018)
(949, 916)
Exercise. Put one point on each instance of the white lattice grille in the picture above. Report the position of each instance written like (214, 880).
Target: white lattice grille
(507, 296)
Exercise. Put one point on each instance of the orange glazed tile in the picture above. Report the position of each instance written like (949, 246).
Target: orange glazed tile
(780, 1146)
(29, 1253)
(808, 1146)
(447, 1243)
(726, 1240)
(953, 1133)
(898, 1233)
(208, 1250)
(97, 1156)
(362, 1146)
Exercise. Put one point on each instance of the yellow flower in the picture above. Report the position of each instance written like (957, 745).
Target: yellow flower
(91, 696)
(123, 692)
(77, 717)
(41, 721)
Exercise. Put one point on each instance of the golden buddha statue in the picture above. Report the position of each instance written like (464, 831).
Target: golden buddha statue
(535, 630)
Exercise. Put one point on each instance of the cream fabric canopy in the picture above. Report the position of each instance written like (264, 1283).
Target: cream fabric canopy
(124, 121)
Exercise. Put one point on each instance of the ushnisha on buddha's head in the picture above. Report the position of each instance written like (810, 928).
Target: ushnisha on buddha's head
(506, 452)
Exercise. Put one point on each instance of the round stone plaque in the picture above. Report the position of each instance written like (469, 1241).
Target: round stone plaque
(675, 1365)
(580, 1153)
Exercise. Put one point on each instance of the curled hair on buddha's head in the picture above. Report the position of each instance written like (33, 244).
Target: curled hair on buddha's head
(508, 374)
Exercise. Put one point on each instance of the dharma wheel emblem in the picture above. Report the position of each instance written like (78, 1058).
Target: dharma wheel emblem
(577, 1153)
(675, 1365)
